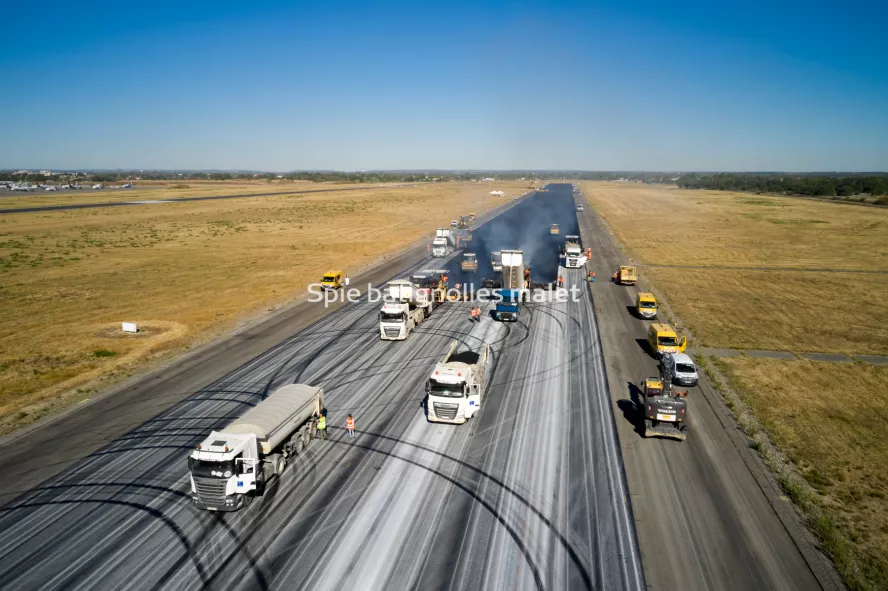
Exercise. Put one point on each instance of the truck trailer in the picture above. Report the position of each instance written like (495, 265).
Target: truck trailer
(232, 466)
(456, 387)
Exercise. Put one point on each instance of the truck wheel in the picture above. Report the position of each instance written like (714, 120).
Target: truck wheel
(299, 447)
(648, 424)
(246, 501)
(313, 431)
(306, 437)
(280, 465)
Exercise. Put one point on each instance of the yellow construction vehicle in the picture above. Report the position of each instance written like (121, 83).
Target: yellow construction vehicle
(554, 230)
(470, 262)
(626, 275)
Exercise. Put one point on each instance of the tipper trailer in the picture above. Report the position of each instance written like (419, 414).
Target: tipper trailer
(457, 385)
(233, 465)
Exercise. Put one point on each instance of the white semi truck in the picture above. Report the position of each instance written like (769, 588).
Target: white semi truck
(406, 306)
(444, 242)
(457, 385)
(232, 466)
(572, 252)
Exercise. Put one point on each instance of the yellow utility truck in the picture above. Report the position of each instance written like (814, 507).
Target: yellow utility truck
(646, 305)
(626, 275)
(332, 279)
(662, 339)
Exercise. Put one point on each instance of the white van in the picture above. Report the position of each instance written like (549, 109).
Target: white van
(684, 372)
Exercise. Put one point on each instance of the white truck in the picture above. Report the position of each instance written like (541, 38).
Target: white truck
(232, 466)
(444, 242)
(406, 306)
(456, 387)
(572, 253)
(496, 261)
(513, 269)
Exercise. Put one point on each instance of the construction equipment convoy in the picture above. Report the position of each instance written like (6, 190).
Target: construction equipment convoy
(456, 387)
(664, 412)
(232, 466)
(572, 253)
(444, 242)
(405, 308)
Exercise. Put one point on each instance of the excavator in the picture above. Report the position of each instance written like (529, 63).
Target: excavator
(664, 411)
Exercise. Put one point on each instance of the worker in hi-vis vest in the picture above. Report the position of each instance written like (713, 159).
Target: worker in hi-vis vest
(322, 426)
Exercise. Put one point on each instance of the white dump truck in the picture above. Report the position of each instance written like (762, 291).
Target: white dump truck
(456, 387)
(572, 252)
(232, 466)
(513, 269)
(444, 242)
(406, 306)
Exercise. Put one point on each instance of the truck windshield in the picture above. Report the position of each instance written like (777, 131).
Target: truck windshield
(446, 390)
(668, 341)
(509, 298)
(207, 469)
(386, 317)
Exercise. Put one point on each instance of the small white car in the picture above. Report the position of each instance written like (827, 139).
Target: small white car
(580, 207)
(684, 372)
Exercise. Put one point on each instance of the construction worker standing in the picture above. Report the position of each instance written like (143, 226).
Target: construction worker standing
(346, 280)
(350, 426)
(322, 426)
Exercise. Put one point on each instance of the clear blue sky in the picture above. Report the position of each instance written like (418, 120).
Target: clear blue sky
(611, 85)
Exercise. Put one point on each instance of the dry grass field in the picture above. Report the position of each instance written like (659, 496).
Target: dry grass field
(161, 191)
(747, 271)
(183, 272)
(758, 307)
(829, 420)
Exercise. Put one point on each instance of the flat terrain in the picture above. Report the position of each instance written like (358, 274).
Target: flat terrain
(529, 494)
(790, 274)
(803, 405)
(183, 272)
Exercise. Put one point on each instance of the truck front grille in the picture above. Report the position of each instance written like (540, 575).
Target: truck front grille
(445, 411)
(392, 332)
(210, 490)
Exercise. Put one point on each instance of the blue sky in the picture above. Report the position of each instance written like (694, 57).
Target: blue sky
(497, 85)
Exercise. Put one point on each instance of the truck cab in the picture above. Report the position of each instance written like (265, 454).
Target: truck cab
(572, 251)
(507, 304)
(662, 339)
(496, 261)
(646, 305)
(627, 275)
(332, 279)
(224, 467)
(395, 322)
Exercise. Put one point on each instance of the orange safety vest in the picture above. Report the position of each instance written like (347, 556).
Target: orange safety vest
(349, 423)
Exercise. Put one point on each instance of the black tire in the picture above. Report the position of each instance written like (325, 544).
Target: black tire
(648, 424)
(313, 430)
(280, 465)
(299, 446)
(306, 437)
(246, 500)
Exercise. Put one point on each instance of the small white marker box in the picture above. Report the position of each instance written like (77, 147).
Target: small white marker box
(129, 327)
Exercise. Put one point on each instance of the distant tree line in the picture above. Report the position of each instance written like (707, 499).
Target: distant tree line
(808, 185)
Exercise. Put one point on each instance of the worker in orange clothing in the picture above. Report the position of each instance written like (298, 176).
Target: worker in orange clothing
(350, 426)
(588, 253)
(615, 276)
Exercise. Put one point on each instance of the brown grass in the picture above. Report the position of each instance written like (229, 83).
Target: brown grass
(827, 418)
(184, 271)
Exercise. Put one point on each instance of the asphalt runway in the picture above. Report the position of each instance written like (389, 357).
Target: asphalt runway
(529, 494)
